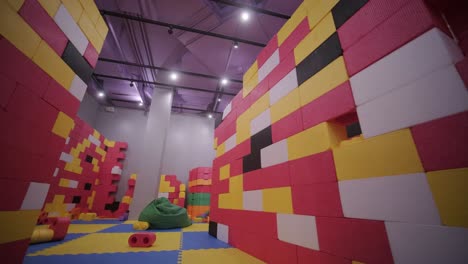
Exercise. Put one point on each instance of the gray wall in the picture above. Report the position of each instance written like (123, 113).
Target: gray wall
(88, 109)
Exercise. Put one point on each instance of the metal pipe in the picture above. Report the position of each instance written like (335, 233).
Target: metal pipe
(193, 109)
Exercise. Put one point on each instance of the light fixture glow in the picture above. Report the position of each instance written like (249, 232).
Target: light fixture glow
(140, 103)
(100, 94)
(219, 99)
(236, 45)
(245, 16)
(224, 81)
(210, 116)
(174, 76)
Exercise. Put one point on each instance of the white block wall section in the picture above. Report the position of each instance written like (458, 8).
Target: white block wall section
(260, 122)
(94, 140)
(269, 65)
(253, 200)
(428, 244)
(163, 194)
(404, 198)
(274, 154)
(66, 23)
(73, 184)
(66, 157)
(427, 53)
(116, 170)
(70, 206)
(438, 94)
(283, 87)
(78, 88)
(230, 143)
(56, 171)
(223, 233)
(227, 110)
(299, 230)
(35, 196)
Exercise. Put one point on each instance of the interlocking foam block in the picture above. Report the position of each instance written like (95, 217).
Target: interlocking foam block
(344, 10)
(13, 252)
(320, 199)
(91, 9)
(26, 219)
(78, 89)
(236, 167)
(331, 105)
(314, 39)
(306, 255)
(277, 200)
(35, 196)
(61, 99)
(412, 243)
(63, 125)
(142, 239)
(287, 126)
(13, 191)
(269, 65)
(389, 154)
(267, 51)
(88, 28)
(271, 177)
(441, 143)
(400, 28)
(317, 9)
(431, 51)
(8, 88)
(444, 94)
(402, 198)
(247, 242)
(224, 172)
(314, 140)
(72, 57)
(227, 110)
(274, 154)
(253, 200)
(285, 106)
(286, 66)
(448, 188)
(250, 84)
(261, 140)
(280, 252)
(16, 4)
(223, 233)
(317, 168)
(250, 72)
(44, 25)
(66, 23)
(260, 122)
(298, 229)
(74, 8)
(292, 23)
(283, 87)
(299, 33)
(50, 6)
(322, 82)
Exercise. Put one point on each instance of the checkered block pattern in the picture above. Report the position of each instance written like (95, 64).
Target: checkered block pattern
(348, 140)
(172, 189)
(198, 202)
(49, 50)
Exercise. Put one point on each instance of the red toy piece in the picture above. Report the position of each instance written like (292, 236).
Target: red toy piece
(142, 239)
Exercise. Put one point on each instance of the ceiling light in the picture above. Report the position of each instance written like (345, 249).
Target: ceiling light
(140, 103)
(245, 16)
(174, 76)
(219, 99)
(100, 94)
(236, 44)
(224, 81)
(210, 116)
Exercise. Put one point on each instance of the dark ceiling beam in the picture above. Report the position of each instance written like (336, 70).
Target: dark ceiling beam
(252, 8)
(160, 84)
(193, 109)
(166, 69)
(174, 26)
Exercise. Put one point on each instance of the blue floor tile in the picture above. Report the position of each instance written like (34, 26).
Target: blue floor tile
(37, 247)
(128, 228)
(115, 258)
(201, 240)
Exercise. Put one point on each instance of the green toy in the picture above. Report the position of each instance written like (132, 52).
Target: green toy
(162, 214)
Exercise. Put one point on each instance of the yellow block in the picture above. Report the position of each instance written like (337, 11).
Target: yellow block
(220, 150)
(134, 176)
(57, 207)
(63, 125)
(16, 4)
(250, 72)
(285, 106)
(17, 225)
(50, 6)
(317, 9)
(317, 36)
(250, 84)
(64, 182)
(231, 200)
(215, 143)
(224, 172)
(292, 23)
(101, 27)
(74, 8)
(101, 152)
(182, 194)
(90, 200)
(41, 234)
(242, 128)
(450, 188)
(96, 168)
(90, 31)
(316, 139)
(262, 104)
(210, 256)
(389, 154)
(127, 199)
(46, 58)
(96, 134)
(109, 143)
(322, 82)
(91, 10)
(164, 186)
(17, 31)
(87, 216)
(182, 187)
(277, 200)
(236, 184)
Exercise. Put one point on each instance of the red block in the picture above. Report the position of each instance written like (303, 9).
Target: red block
(320, 199)
(220, 187)
(251, 243)
(462, 68)
(8, 87)
(61, 99)
(287, 126)
(267, 51)
(335, 236)
(91, 55)
(442, 143)
(12, 194)
(259, 90)
(236, 100)
(252, 180)
(201, 189)
(33, 13)
(236, 167)
(367, 18)
(408, 23)
(60, 227)
(14, 252)
(331, 105)
(261, 223)
(280, 71)
(299, 33)
(307, 256)
(317, 168)
(281, 252)
(225, 131)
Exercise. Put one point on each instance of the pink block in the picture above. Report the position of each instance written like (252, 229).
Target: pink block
(442, 143)
(271, 177)
(250, 243)
(225, 131)
(8, 87)
(299, 33)
(61, 99)
(408, 23)
(287, 126)
(236, 167)
(280, 71)
(306, 256)
(259, 90)
(321, 199)
(267, 51)
(33, 13)
(331, 105)
(14, 252)
(462, 68)
(281, 252)
(335, 236)
(91, 55)
(236, 100)
(12, 194)
(261, 223)
(220, 187)
(317, 168)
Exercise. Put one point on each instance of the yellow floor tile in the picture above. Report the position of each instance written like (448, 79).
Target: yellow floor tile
(85, 228)
(196, 228)
(215, 256)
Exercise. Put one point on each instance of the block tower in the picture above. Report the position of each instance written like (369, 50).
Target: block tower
(172, 189)
(199, 195)
(49, 50)
(348, 142)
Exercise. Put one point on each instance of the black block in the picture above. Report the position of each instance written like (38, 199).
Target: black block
(252, 162)
(76, 199)
(327, 52)
(345, 9)
(77, 63)
(213, 229)
(353, 130)
(87, 186)
(89, 159)
(106, 148)
(261, 140)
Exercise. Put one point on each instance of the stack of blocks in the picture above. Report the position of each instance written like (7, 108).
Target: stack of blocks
(49, 49)
(128, 197)
(172, 189)
(198, 202)
(348, 142)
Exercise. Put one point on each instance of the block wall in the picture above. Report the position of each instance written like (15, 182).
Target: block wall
(48, 51)
(348, 142)
(198, 202)
(172, 189)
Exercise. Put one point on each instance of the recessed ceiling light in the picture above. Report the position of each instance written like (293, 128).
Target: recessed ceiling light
(224, 81)
(174, 76)
(245, 16)
(236, 44)
(219, 99)
(101, 94)
(140, 103)
(210, 116)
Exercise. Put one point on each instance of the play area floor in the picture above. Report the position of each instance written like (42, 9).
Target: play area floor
(105, 241)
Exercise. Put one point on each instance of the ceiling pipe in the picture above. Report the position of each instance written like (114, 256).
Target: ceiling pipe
(192, 109)
(253, 8)
(174, 26)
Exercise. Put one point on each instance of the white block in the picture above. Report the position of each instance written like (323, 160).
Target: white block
(299, 230)
(163, 194)
(116, 170)
(223, 233)
(56, 171)
(67, 141)
(269, 65)
(405, 198)
(283, 87)
(230, 143)
(260, 122)
(78, 88)
(70, 206)
(438, 94)
(274, 154)
(73, 184)
(253, 200)
(427, 244)
(227, 110)
(66, 157)
(66, 23)
(35, 196)
(94, 140)
(429, 52)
